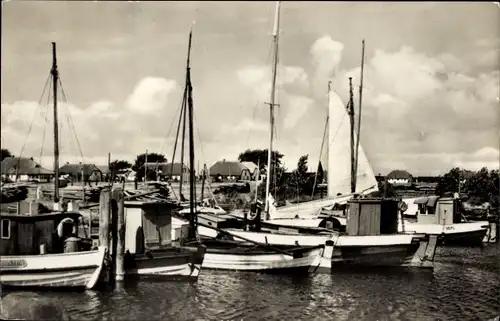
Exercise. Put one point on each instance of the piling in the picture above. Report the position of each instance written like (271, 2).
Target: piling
(119, 197)
(104, 218)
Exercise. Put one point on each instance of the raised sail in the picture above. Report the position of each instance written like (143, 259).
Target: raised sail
(339, 162)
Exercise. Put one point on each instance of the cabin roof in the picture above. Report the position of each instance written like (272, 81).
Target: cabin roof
(40, 217)
(149, 204)
(428, 200)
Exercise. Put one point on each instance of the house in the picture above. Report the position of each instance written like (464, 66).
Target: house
(400, 178)
(167, 171)
(25, 168)
(105, 171)
(253, 168)
(90, 172)
(223, 171)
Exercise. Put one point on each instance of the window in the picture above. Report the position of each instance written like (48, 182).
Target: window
(5, 228)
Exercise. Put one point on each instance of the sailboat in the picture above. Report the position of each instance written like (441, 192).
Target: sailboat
(309, 213)
(241, 253)
(441, 216)
(375, 245)
(44, 251)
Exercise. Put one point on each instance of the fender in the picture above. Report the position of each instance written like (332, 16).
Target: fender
(60, 226)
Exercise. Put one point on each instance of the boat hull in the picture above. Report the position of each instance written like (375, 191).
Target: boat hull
(66, 270)
(236, 256)
(164, 264)
(462, 234)
(391, 254)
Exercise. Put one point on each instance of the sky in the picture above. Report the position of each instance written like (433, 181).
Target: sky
(430, 96)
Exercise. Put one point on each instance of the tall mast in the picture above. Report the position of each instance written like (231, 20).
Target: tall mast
(351, 118)
(192, 217)
(360, 102)
(55, 78)
(271, 103)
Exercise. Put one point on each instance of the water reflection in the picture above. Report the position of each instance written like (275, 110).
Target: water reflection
(464, 286)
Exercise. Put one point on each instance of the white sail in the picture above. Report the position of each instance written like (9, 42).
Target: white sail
(338, 168)
(339, 156)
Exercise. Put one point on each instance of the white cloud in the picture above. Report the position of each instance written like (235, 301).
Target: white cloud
(150, 95)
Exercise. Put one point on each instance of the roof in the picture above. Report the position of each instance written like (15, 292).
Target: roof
(250, 165)
(429, 200)
(25, 165)
(103, 168)
(227, 168)
(76, 169)
(399, 174)
(166, 168)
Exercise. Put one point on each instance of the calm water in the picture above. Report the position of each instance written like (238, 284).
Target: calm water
(463, 286)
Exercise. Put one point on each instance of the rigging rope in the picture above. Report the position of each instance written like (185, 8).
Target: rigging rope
(70, 119)
(31, 125)
(170, 129)
(45, 124)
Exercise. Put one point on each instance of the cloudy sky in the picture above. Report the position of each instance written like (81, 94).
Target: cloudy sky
(431, 78)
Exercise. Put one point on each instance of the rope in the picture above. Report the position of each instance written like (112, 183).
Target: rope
(45, 124)
(31, 125)
(170, 129)
(319, 159)
(71, 124)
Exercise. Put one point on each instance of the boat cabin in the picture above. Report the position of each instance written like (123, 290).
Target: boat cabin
(372, 216)
(438, 210)
(37, 234)
(148, 225)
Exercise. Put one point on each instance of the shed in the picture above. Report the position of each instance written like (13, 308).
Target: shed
(148, 225)
(373, 216)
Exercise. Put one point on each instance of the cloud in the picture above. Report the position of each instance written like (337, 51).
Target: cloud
(150, 95)
(100, 128)
(326, 55)
(424, 106)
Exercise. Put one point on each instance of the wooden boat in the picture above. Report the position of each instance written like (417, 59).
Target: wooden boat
(441, 216)
(44, 251)
(151, 249)
(239, 254)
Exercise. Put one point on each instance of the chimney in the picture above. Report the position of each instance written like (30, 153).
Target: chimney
(223, 160)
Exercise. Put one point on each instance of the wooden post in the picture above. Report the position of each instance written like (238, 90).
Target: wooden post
(104, 218)
(118, 196)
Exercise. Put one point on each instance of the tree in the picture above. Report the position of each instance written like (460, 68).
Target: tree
(449, 182)
(484, 186)
(259, 156)
(300, 182)
(320, 174)
(118, 165)
(138, 166)
(5, 153)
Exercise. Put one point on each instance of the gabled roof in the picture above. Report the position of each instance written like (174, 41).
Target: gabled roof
(76, 169)
(166, 168)
(226, 168)
(103, 168)
(250, 165)
(24, 165)
(399, 174)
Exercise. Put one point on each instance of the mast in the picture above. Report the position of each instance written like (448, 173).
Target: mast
(271, 103)
(360, 102)
(192, 217)
(55, 79)
(351, 118)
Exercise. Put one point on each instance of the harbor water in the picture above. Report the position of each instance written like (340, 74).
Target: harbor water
(463, 286)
